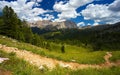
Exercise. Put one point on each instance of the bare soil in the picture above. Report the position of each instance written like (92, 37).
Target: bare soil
(3, 72)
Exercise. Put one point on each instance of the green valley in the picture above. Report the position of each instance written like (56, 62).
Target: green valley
(96, 49)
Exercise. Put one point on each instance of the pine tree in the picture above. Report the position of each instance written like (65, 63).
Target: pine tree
(10, 22)
(1, 25)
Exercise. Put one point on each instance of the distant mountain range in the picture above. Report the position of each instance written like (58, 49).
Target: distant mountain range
(115, 27)
(100, 37)
(49, 25)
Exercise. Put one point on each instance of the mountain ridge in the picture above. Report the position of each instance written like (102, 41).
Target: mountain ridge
(49, 25)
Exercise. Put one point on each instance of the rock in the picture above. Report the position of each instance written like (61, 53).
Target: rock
(73, 60)
(41, 68)
(46, 24)
(65, 65)
(3, 59)
(15, 48)
(31, 62)
(3, 37)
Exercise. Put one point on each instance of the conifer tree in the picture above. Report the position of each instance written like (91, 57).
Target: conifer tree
(10, 20)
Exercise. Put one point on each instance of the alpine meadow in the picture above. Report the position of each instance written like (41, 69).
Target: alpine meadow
(59, 37)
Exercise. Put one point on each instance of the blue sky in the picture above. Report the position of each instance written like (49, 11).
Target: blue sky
(82, 12)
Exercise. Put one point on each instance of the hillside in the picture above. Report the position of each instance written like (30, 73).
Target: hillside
(104, 36)
(18, 50)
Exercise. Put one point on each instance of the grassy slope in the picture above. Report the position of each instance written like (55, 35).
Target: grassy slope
(20, 67)
(106, 71)
(81, 55)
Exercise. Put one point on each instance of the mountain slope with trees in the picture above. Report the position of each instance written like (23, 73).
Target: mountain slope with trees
(12, 26)
(98, 37)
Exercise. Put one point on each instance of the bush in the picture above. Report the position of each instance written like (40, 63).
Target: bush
(63, 49)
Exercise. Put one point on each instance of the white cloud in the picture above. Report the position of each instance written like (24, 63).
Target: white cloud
(115, 6)
(68, 15)
(95, 24)
(78, 3)
(96, 12)
(89, 24)
(59, 20)
(101, 13)
(68, 10)
(81, 24)
(48, 17)
(36, 0)
(39, 0)
(25, 10)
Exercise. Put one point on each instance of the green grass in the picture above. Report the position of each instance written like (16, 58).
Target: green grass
(89, 71)
(106, 71)
(18, 66)
(80, 54)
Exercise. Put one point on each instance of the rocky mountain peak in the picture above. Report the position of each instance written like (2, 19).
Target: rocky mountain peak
(47, 24)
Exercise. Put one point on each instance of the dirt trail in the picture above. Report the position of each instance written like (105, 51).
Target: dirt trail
(4, 72)
(40, 61)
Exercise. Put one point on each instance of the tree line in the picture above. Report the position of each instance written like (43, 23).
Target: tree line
(102, 37)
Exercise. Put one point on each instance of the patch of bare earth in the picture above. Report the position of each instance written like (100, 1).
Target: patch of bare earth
(40, 61)
(4, 72)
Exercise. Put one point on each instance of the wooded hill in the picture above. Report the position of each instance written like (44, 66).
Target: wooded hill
(97, 37)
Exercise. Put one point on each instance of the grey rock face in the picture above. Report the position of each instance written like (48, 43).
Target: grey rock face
(57, 25)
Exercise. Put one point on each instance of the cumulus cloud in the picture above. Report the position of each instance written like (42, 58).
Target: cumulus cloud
(78, 3)
(48, 17)
(36, 0)
(101, 13)
(89, 24)
(96, 12)
(80, 24)
(115, 6)
(95, 24)
(39, 0)
(68, 10)
(25, 10)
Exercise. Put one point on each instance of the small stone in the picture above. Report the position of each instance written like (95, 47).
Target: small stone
(41, 68)
(73, 60)
(3, 59)
(3, 37)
